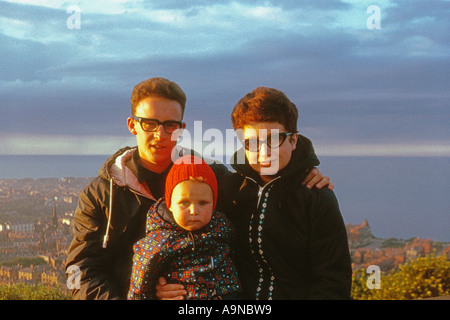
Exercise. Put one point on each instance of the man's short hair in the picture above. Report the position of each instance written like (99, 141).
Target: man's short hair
(157, 87)
(265, 105)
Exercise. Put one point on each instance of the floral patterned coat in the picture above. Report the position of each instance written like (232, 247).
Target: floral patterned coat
(200, 260)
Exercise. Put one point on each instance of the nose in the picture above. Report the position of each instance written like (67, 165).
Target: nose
(159, 132)
(264, 152)
(193, 210)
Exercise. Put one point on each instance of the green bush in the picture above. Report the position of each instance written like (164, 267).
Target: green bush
(31, 292)
(422, 277)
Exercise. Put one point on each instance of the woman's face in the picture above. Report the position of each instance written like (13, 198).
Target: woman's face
(265, 160)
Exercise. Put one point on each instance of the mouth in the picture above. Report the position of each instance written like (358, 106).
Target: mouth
(157, 146)
(268, 168)
(265, 164)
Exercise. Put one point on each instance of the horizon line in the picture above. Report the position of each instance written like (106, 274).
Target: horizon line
(102, 145)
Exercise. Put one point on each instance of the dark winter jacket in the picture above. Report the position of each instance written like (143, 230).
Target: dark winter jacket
(109, 219)
(200, 260)
(292, 240)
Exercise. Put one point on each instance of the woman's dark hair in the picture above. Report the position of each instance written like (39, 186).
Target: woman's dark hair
(265, 105)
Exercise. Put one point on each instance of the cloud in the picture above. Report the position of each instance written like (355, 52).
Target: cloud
(352, 85)
(286, 4)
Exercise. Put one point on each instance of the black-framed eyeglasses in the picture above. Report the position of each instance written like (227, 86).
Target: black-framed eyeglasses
(254, 144)
(151, 125)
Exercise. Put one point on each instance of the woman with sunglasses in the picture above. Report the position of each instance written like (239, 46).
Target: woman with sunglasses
(292, 241)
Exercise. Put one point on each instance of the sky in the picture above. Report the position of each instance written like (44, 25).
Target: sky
(368, 81)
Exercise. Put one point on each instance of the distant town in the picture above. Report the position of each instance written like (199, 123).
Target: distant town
(36, 230)
(388, 254)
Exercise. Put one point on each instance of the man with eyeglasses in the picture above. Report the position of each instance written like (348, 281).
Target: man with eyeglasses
(112, 209)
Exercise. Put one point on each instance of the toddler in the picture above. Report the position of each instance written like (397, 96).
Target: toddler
(187, 241)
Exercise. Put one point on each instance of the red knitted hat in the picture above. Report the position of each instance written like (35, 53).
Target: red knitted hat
(185, 168)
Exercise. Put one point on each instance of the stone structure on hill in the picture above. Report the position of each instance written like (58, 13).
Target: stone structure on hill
(359, 235)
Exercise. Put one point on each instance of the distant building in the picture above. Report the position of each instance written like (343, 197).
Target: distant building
(28, 275)
(17, 227)
(8, 275)
(54, 216)
(418, 248)
(359, 235)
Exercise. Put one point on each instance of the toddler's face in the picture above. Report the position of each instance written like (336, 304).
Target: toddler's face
(192, 204)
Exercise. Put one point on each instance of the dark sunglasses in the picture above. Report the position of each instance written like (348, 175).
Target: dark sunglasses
(254, 145)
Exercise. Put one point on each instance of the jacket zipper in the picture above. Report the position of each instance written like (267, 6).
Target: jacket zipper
(261, 278)
(261, 189)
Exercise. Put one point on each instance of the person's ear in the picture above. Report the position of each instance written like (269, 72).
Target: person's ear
(131, 123)
(293, 140)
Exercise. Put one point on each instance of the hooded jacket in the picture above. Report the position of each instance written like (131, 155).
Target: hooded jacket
(292, 240)
(200, 260)
(109, 219)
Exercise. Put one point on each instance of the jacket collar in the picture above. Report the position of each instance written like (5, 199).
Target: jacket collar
(122, 174)
(122, 169)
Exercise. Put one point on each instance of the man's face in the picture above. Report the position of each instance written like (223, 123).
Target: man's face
(268, 161)
(155, 148)
(192, 204)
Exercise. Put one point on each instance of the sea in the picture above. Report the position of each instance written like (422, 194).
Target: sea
(400, 197)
